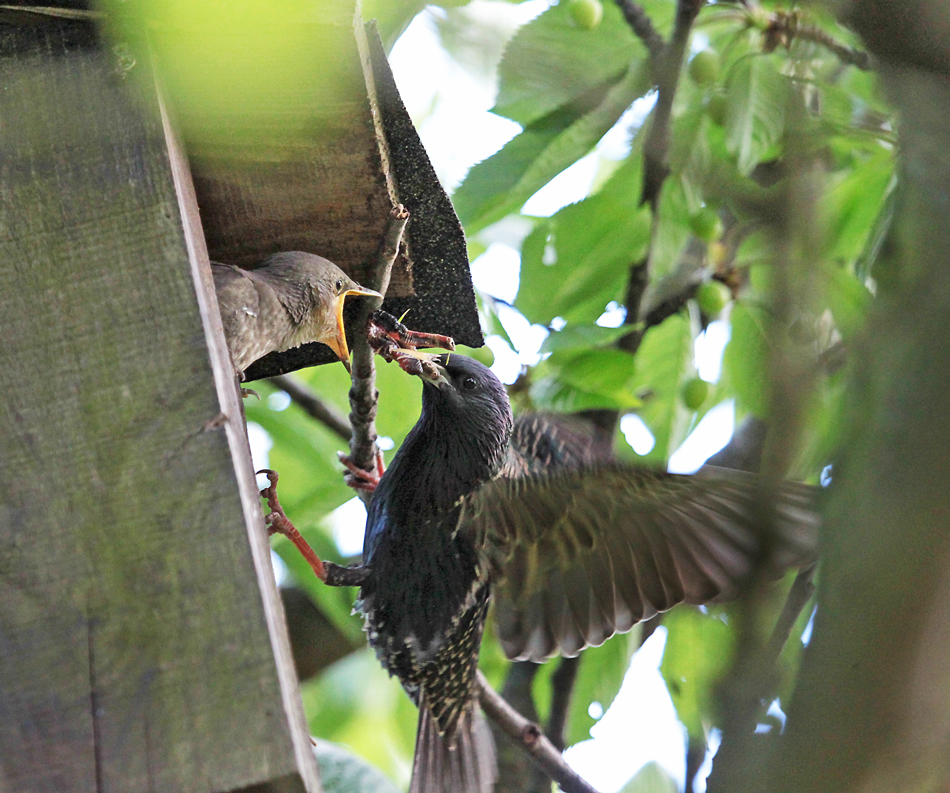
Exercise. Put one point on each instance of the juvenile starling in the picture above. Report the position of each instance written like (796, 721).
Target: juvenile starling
(572, 546)
(287, 300)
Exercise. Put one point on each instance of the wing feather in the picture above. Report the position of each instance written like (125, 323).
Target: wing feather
(582, 552)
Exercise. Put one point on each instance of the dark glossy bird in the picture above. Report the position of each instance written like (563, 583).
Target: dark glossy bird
(571, 546)
(287, 300)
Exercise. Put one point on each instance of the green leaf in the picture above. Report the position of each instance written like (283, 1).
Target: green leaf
(550, 62)
(355, 702)
(663, 361)
(596, 378)
(846, 296)
(574, 337)
(745, 361)
(755, 116)
(698, 650)
(673, 230)
(652, 778)
(854, 203)
(502, 183)
(341, 771)
(578, 261)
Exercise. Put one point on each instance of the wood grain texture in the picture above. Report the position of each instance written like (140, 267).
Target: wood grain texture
(298, 140)
(280, 133)
(135, 653)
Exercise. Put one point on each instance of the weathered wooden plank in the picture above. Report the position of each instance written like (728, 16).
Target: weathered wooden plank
(135, 652)
(290, 150)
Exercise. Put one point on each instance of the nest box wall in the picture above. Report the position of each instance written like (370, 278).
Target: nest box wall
(298, 140)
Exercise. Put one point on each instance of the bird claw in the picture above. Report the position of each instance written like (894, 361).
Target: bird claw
(278, 523)
(387, 336)
(359, 478)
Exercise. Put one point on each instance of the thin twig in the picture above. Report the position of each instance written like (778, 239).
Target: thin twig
(529, 735)
(785, 26)
(858, 58)
(799, 594)
(363, 394)
(642, 26)
(313, 406)
(667, 65)
(657, 144)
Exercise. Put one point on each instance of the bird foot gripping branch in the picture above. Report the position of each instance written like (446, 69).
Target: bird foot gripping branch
(393, 341)
(278, 523)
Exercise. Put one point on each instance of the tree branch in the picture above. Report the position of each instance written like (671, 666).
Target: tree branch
(313, 406)
(657, 143)
(529, 735)
(667, 61)
(363, 393)
(784, 27)
(798, 596)
(562, 687)
(642, 26)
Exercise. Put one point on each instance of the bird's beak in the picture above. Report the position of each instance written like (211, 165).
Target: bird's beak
(338, 342)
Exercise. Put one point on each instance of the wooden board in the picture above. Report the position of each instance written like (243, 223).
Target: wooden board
(298, 140)
(140, 624)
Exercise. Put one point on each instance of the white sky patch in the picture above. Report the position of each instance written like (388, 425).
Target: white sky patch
(507, 365)
(710, 435)
(708, 350)
(613, 315)
(639, 727)
(637, 433)
(278, 401)
(261, 444)
(281, 573)
(569, 186)
(347, 524)
(615, 145)
(712, 746)
(497, 272)
(806, 634)
(526, 337)
(448, 105)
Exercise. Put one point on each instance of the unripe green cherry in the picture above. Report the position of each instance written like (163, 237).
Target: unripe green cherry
(586, 13)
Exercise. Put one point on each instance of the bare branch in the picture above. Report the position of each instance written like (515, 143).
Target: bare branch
(529, 735)
(562, 687)
(784, 27)
(315, 407)
(657, 144)
(853, 57)
(798, 596)
(363, 394)
(642, 26)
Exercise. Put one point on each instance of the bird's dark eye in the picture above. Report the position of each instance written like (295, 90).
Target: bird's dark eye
(469, 384)
(339, 284)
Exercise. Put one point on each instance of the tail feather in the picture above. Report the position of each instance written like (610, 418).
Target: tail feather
(463, 762)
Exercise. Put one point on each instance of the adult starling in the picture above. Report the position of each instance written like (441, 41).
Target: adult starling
(571, 545)
(287, 300)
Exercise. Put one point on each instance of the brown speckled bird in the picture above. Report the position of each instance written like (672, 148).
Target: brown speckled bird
(287, 300)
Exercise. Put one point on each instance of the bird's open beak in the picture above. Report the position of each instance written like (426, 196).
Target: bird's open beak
(338, 342)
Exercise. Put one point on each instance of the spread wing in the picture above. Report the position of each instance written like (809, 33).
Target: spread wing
(584, 547)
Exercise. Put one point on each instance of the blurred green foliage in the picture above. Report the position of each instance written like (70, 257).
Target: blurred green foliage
(734, 135)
